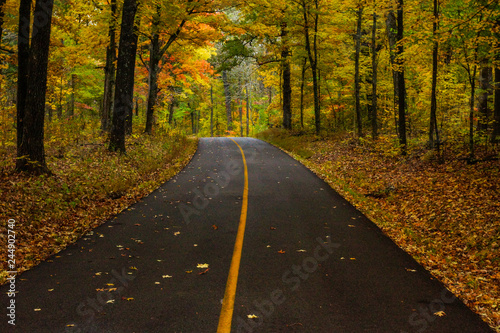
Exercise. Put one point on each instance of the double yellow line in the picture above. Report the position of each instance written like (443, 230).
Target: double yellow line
(226, 314)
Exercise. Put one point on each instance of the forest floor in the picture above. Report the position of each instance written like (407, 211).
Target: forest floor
(89, 185)
(446, 215)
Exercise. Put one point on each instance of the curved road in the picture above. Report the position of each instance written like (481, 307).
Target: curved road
(310, 262)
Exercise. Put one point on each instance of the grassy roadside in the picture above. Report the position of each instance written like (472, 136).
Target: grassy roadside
(90, 185)
(447, 216)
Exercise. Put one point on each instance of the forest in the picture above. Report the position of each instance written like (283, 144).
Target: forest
(96, 96)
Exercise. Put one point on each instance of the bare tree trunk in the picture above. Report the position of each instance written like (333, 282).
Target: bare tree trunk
(211, 111)
(227, 93)
(248, 110)
(485, 77)
(374, 78)
(32, 150)
(110, 70)
(154, 61)
(124, 95)
(391, 27)
(401, 81)
(23, 54)
(312, 52)
(359, 125)
(71, 106)
(2, 14)
(472, 79)
(433, 128)
(496, 123)
(286, 73)
(302, 85)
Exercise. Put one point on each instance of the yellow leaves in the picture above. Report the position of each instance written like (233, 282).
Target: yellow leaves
(202, 266)
(440, 313)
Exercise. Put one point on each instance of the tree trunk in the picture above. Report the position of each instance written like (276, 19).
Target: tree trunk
(286, 73)
(71, 106)
(302, 85)
(171, 111)
(485, 77)
(374, 78)
(32, 150)
(227, 94)
(391, 27)
(154, 49)
(211, 111)
(124, 96)
(472, 79)
(433, 128)
(23, 54)
(401, 82)
(496, 123)
(110, 70)
(2, 14)
(359, 125)
(248, 110)
(313, 60)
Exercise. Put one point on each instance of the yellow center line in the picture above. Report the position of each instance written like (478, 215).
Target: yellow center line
(226, 314)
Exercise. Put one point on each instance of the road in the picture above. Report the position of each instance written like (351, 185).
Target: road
(307, 261)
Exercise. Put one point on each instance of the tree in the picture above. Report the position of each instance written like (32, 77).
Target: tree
(433, 128)
(2, 5)
(401, 80)
(124, 96)
(359, 125)
(286, 73)
(31, 150)
(227, 94)
(312, 52)
(374, 76)
(110, 69)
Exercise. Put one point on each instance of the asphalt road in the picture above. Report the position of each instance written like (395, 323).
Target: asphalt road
(310, 261)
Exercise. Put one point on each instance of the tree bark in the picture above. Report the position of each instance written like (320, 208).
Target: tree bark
(312, 52)
(374, 78)
(2, 14)
(472, 79)
(23, 54)
(302, 85)
(31, 151)
(154, 61)
(391, 27)
(496, 124)
(485, 77)
(71, 106)
(124, 96)
(286, 73)
(401, 81)
(433, 128)
(248, 110)
(211, 111)
(359, 125)
(110, 70)
(227, 94)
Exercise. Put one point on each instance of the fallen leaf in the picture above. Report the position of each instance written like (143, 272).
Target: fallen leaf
(301, 251)
(166, 276)
(189, 272)
(440, 313)
(128, 298)
(111, 301)
(133, 267)
(38, 309)
(252, 316)
(273, 228)
(410, 270)
(352, 258)
(351, 226)
(51, 289)
(202, 266)
(281, 251)
(215, 227)
(204, 272)
(177, 233)
(157, 282)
